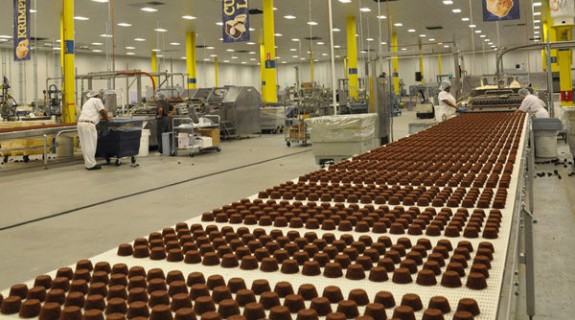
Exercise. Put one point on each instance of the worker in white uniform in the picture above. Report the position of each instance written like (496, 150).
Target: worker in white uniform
(532, 104)
(92, 111)
(447, 103)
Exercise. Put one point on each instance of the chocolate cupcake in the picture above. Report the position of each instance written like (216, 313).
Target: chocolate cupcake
(71, 313)
(375, 311)
(359, 296)
(426, 277)
(228, 308)
(138, 309)
(378, 274)
(476, 281)
(280, 313)
(441, 303)
(245, 296)
(333, 294)
(432, 314)
(254, 311)
(385, 298)
(403, 313)
(161, 312)
(469, 305)
(349, 308)
(413, 301)
(355, 272)
(260, 286)
(30, 308)
(50, 310)
(402, 276)
(451, 279)
(294, 302)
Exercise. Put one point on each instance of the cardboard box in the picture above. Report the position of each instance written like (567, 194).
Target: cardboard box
(213, 133)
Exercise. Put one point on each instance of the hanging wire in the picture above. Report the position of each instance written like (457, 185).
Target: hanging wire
(360, 33)
(311, 78)
(36, 52)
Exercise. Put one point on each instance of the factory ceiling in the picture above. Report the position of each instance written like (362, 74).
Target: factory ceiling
(136, 27)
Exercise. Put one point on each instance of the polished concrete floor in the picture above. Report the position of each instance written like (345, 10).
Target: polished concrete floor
(55, 217)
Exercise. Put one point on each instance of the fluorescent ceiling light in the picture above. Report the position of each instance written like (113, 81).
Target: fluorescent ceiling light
(106, 35)
(5, 36)
(381, 17)
(206, 59)
(140, 39)
(465, 19)
(97, 43)
(234, 58)
(320, 43)
(536, 21)
(56, 48)
(160, 56)
(431, 39)
(213, 55)
(398, 24)
(210, 48)
(148, 9)
(472, 26)
(536, 27)
(293, 49)
(483, 36)
(124, 24)
(250, 43)
(278, 35)
(160, 30)
(219, 23)
(4, 40)
(383, 43)
(189, 17)
(477, 31)
(243, 62)
(175, 43)
(80, 18)
(411, 30)
(33, 10)
(130, 48)
(446, 46)
(253, 52)
(290, 17)
(252, 29)
(100, 1)
(338, 56)
(302, 58)
(536, 14)
(403, 49)
(447, 2)
(324, 54)
(252, 59)
(537, 4)
(337, 46)
(369, 39)
(295, 40)
(456, 10)
(422, 35)
(226, 61)
(345, 1)
(156, 50)
(183, 58)
(97, 50)
(230, 50)
(312, 23)
(336, 30)
(365, 9)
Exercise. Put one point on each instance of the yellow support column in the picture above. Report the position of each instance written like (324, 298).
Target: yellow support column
(262, 66)
(62, 42)
(564, 60)
(421, 62)
(191, 59)
(69, 104)
(217, 71)
(352, 57)
(439, 64)
(154, 60)
(269, 89)
(395, 64)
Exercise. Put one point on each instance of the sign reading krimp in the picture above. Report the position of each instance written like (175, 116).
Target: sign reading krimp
(235, 15)
(21, 30)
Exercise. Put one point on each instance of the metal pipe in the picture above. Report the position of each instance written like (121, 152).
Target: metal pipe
(554, 45)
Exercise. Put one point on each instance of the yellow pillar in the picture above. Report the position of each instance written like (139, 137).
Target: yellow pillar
(352, 57)
(269, 89)
(217, 71)
(439, 64)
(395, 64)
(421, 62)
(564, 60)
(62, 42)
(190, 59)
(262, 66)
(69, 103)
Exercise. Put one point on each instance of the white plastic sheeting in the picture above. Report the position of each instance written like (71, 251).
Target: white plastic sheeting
(343, 128)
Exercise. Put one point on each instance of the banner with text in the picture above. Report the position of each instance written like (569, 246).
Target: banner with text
(235, 14)
(497, 10)
(21, 30)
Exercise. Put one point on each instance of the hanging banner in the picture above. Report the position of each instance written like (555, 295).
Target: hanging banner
(235, 15)
(497, 10)
(21, 30)
(562, 12)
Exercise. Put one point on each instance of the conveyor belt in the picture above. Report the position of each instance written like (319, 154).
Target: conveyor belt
(440, 177)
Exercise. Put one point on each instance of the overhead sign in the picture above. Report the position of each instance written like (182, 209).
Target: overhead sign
(497, 10)
(21, 30)
(235, 14)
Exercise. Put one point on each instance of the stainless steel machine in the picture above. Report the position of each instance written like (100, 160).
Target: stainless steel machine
(238, 108)
(384, 103)
(494, 99)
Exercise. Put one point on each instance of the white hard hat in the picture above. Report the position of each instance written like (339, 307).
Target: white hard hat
(160, 96)
(92, 93)
(445, 84)
(523, 92)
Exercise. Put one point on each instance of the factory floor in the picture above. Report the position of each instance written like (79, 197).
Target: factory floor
(55, 217)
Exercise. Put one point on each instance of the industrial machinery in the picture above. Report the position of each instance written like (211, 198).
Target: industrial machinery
(238, 108)
(7, 102)
(385, 103)
(494, 99)
(53, 101)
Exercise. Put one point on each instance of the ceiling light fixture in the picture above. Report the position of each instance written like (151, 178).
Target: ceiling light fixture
(140, 39)
(398, 24)
(411, 30)
(175, 43)
(106, 35)
(447, 2)
(456, 10)
(156, 50)
(472, 26)
(100, 1)
(336, 30)
(369, 39)
(189, 17)
(345, 1)
(381, 17)
(148, 9)
(219, 23)
(321, 43)
(312, 23)
(161, 30)
(129, 48)
(278, 35)
(365, 9)
(465, 19)
(124, 24)
(97, 43)
(289, 17)
(80, 18)
(130, 53)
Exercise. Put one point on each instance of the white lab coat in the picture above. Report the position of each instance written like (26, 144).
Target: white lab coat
(444, 111)
(533, 104)
(89, 118)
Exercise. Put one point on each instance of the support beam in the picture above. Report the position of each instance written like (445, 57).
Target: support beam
(269, 90)
(69, 103)
(154, 61)
(217, 71)
(395, 64)
(439, 63)
(352, 57)
(191, 59)
(565, 60)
